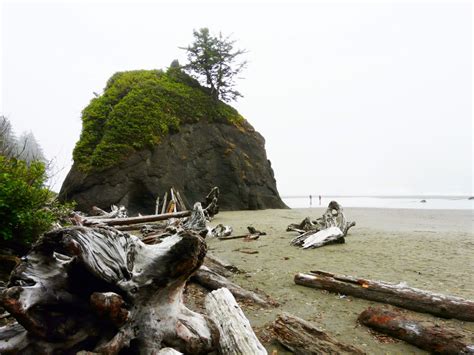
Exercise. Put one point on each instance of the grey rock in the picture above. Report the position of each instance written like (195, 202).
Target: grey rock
(195, 159)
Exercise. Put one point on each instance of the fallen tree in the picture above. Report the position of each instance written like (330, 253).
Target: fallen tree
(427, 336)
(396, 294)
(101, 290)
(302, 337)
(331, 228)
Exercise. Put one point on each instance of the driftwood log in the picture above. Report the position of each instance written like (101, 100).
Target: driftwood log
(101, 290)
(237, 336)
(302, 337)
(213, 281)
(136, 220)
(331, 228)
(253, 234)
(430, 337)
(396, 294)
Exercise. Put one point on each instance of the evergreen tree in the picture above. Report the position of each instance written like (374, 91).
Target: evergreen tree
(214, 61)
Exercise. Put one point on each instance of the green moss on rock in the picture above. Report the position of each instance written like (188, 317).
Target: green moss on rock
(139, 107)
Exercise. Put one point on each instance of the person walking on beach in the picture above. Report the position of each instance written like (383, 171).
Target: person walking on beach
(320, 200)
(310, 200)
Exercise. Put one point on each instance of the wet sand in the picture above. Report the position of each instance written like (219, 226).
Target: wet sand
(428, 249)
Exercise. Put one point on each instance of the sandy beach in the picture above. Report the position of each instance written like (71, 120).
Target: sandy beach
(427, 249)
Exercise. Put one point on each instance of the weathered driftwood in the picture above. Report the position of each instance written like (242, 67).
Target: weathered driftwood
(210, 205)
(237, 336)
(181, 201)
(213, 281)
(331, 228)
(302, 337)
(304, 226)
(115, 212)
(97, 289)
(396, 294)
(222, 263)
(165, 200)
(252, 235)
(427, 336)
(168, 351)
(220, 231)
(137, 220)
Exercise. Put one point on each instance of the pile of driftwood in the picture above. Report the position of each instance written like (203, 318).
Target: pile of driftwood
(93, 287)
(331, 228)
(175, 203)
(425, 335)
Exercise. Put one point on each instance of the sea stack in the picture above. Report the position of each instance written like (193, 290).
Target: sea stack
(151, 130)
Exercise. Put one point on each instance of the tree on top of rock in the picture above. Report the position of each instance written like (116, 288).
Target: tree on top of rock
(214, 61)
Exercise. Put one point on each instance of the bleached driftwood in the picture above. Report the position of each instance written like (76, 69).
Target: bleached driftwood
(331, 228)
(213, 281)
(97, 289)
(302, 337)
(221, 231)
(252, 235)
(396, 294)
(136, 220)
(237, 336)
(427, 336)
(211, 208)
(115, 212)
(222, 263)
(168, 351)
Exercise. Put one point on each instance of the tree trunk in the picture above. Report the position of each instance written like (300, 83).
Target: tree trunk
(237, 336)
(302, 337)
(331, 228)
(430, 337)
(395, 294)
(97, 289)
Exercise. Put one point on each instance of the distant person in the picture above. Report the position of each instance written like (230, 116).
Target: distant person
(320, 200)
(310, 200)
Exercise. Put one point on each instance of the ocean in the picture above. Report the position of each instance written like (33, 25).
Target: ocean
(432, 202)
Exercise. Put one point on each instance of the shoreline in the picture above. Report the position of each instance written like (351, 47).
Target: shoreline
(428, 249)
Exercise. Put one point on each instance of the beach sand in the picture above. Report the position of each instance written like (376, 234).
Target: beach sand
(427, 249)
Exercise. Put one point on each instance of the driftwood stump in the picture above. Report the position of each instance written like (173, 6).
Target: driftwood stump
(331, 228)
(101, 290)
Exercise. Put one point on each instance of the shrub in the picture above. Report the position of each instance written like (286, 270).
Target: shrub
(27, 207)
(137, 109)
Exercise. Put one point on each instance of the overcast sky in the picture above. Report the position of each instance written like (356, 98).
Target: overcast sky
(351, 98)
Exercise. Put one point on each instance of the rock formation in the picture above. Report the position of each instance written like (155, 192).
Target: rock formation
(112, 165)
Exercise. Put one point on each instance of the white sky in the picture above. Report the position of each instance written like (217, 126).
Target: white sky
(368, 98)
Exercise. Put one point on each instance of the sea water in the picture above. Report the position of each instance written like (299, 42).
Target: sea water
(432, 202)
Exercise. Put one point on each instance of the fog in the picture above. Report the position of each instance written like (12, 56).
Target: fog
(351, 98)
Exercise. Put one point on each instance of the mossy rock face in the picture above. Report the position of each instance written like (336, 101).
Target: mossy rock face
(137, 109)
(152, 130)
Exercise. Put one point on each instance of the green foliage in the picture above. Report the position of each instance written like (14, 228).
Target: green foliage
(214, 61)
(139, 107)
(27, 207)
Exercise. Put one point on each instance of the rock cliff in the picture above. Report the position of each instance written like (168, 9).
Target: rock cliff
(122, 158)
